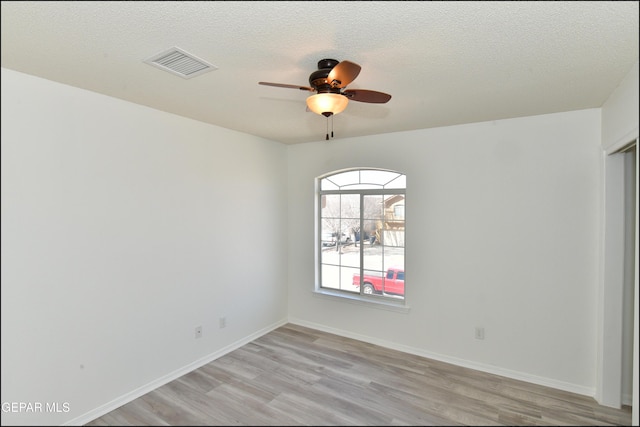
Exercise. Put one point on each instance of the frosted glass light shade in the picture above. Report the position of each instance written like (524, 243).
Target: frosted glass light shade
(327, 103)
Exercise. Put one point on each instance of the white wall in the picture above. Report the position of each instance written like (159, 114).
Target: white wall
(620, 112)
(502, 232)
(619, 127)
(123, 228)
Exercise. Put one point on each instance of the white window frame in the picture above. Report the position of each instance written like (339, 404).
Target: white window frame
(394, 304)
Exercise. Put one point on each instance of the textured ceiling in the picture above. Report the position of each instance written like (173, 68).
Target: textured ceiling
(444, 63)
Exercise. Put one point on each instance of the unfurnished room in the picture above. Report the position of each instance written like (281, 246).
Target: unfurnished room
(319, 213)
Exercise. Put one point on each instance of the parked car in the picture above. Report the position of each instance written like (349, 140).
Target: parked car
(344, 238)
(391, 283)
(330, 239)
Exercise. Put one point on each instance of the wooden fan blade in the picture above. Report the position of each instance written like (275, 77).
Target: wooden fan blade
(343, 74)
(310, 89)
(363, 95)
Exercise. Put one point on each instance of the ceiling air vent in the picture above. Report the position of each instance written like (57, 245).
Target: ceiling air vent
(181, 63)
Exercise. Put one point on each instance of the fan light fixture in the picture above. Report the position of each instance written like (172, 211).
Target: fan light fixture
(327, 104)
(328, 82)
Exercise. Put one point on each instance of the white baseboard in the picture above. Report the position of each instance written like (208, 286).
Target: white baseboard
(141, 391)
(560, 385)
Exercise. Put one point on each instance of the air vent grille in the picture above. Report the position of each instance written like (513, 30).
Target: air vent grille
(181, 63)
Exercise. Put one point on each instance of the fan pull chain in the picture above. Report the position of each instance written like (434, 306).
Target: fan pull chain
(332, 126)
(327, 115)
(327, 128)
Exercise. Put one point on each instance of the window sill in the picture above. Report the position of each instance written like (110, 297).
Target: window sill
(372, 302)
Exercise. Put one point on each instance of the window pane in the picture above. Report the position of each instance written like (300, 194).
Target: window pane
(393, 258)
(374, 277)
(395, 236)
(393, 284)
(369, 228)
(331, 206)
(344, 178)
(350, 254)
(377, 177)
(331, 223)
(359, 187)
(330, 276)
(346, 278)
(372, 257)
(341, 278)
(393, 224)
(398, 211)
(350, 206)
(399, 182)
(326, 185)
(363, 179)
(362, 234)
(344, 253)
(350, 216)
(373, 207)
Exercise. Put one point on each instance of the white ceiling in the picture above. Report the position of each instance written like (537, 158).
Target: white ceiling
(444, 63)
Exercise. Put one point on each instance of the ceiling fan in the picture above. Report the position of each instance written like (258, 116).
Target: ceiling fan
(329, 82)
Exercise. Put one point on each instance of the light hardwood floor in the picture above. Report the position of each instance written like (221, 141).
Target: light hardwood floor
(300, 376)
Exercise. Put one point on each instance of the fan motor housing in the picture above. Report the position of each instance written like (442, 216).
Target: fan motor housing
(318, 79)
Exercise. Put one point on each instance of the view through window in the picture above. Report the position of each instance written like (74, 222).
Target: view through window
(361, 232)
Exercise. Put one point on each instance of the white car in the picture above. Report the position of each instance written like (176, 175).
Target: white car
(329, 239)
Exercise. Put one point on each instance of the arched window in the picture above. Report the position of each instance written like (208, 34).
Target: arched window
(360, 234)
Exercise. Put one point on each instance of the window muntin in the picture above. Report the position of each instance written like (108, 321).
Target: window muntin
(361, 233)
(363, 179)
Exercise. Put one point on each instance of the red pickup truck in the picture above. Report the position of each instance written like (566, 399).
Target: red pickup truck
(391, 283)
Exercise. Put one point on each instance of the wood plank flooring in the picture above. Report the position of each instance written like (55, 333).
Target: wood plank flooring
(300, 376)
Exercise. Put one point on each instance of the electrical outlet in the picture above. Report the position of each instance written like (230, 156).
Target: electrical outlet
(479, 333)
(223, 322)
(198, 331)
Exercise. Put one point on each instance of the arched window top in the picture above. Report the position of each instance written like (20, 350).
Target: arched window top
(363, 179)
(360, 234)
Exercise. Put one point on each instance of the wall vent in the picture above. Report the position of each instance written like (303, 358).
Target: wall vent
(181, 63)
